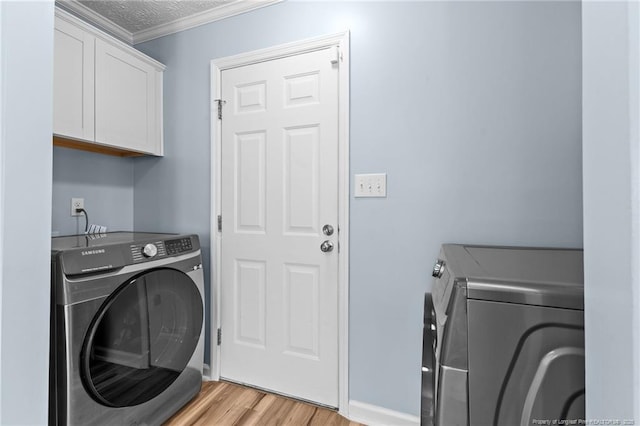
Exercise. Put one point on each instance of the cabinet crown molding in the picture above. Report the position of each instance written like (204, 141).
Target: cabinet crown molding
(108, 38)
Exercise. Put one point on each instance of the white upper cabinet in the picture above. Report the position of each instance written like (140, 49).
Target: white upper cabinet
(106, 94)
(126, 95)
(73, 103)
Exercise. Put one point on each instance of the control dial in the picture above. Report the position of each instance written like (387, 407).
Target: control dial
(150, 250)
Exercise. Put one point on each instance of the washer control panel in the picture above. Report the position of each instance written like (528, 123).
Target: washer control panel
(83, 254)
(157, 249)
(178, 246)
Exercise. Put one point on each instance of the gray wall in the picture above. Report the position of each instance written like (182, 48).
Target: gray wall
(106, 184)
(474, 111)
(611, 144)
(26, 72)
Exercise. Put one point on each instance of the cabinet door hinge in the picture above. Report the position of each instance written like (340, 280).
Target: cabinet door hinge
(219, 336)
(220, 103)
(219, 223)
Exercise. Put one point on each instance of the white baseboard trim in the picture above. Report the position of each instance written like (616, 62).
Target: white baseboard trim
(206, 373)
(378, 416)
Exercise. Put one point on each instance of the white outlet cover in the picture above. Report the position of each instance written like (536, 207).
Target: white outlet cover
(370, 185)
(76, 203)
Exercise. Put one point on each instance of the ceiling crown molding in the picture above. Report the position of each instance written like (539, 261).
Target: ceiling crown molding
(225, 11)
(82, 11)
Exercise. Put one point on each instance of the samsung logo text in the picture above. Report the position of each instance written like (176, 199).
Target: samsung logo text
(90, 252)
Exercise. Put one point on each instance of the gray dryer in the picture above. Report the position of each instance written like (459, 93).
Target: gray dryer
(504, 337)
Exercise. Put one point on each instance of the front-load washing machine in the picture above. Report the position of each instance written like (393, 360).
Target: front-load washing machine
(504, 337)
(126, 327)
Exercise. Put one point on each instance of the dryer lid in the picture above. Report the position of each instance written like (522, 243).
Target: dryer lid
(527, 275)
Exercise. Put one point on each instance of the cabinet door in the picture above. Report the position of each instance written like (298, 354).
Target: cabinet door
(126, 109)
(73, 72)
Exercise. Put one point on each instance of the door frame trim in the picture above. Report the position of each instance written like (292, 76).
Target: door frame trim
(340, 42)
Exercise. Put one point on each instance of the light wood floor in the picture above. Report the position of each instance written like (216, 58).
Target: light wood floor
(222, 403)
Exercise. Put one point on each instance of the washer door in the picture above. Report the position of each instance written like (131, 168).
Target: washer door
(142, 338)
(429, 365)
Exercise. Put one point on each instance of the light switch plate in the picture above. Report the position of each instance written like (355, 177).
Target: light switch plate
(370, 185)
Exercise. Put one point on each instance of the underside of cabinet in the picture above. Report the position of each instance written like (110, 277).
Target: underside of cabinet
(93, 147)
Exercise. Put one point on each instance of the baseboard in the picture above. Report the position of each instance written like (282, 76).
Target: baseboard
(206, 373)
(377, 416)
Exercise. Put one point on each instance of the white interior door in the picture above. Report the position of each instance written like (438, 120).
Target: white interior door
(279, 180)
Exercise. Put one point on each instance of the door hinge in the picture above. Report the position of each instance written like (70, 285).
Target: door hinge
(220, 103)
(219, 336)
(337, 58)
(219, 223)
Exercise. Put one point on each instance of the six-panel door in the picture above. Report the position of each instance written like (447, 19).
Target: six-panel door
(279, 298)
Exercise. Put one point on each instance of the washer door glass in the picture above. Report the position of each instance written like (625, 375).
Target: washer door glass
(142, 338)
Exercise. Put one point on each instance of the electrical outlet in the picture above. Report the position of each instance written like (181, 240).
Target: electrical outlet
(77, 203)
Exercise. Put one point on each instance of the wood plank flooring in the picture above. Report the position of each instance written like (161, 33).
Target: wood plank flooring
(226, 404)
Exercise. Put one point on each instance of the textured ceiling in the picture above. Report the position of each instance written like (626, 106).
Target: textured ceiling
(139, 15)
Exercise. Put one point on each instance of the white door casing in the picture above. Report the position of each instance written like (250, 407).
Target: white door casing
(281, 163)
